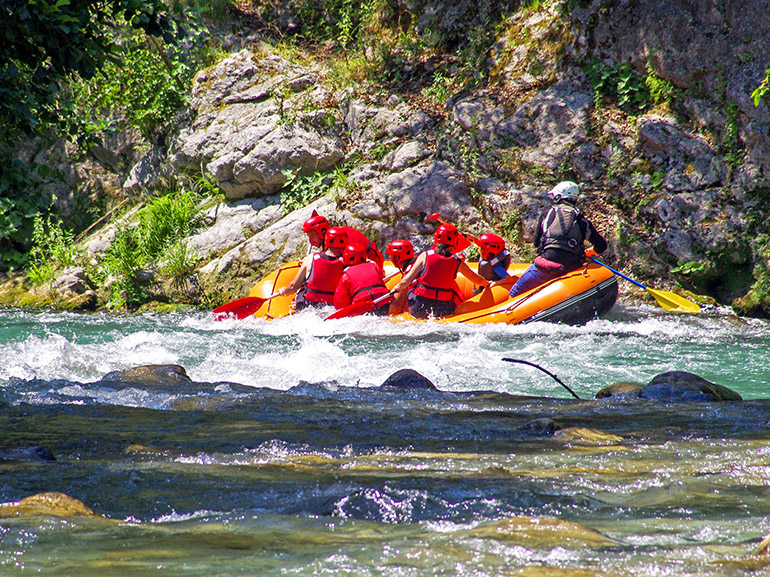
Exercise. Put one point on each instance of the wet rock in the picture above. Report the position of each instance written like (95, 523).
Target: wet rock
(684, 386)
(73, 289)
(137, 449)
(539, 428)
(543, 533)
(671, 386)
(550, 571)
(35, 454)
(41, 454)
(620, 388)
(407, 379)
(587, 436)
(150, 374)
(56, 504)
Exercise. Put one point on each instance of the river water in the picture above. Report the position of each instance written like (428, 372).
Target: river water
(282, 457)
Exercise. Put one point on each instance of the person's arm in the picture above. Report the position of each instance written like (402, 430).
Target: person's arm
(501, 271)
(538, 236)
(413, 273)
(342, 292)
(475, 278)
(597, 240)
(299, 278)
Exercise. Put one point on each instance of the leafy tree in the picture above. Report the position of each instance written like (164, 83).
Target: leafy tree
(44, 41)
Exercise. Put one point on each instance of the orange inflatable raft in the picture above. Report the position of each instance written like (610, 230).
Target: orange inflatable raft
(573, 298)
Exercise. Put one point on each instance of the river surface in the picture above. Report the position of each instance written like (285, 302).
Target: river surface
(281, 455)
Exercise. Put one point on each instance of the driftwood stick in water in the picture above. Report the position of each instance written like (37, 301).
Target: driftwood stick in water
(550, 374)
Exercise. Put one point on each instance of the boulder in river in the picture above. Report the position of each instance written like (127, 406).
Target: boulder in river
(407, 379)
(150, 374)
(672, 386)
(53, 503)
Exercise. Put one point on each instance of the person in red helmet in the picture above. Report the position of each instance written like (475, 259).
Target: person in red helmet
(433, 273)
(361, 281)
(316, 226)
(493, 258)
(401, 253)
(317, 277)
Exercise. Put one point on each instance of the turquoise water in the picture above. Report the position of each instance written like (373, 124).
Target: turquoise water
(281, 457)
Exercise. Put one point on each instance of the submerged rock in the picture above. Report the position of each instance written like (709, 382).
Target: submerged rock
(543, 533)
(56, 504)
(150, 374)
(407, 379)
(35, 453)
(587, 436)
(543, 427)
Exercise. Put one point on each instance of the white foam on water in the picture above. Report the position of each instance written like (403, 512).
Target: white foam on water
(633, 343)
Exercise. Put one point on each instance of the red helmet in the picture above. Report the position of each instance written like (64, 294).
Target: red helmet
(400, 250)
(490, 245)
(447, 234)
(354, 253)
(317, 223)
(336, 237)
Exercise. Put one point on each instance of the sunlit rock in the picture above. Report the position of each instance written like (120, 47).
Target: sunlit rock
(407, 379)
(587, 436)
(620, 388)
(672, 386)
(543, 533)
(150, 374)
(56, 504)
(550, 571)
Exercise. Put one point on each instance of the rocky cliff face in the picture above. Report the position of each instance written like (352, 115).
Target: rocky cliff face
(680, 178)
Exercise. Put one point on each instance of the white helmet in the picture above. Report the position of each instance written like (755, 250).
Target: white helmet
(566, 190)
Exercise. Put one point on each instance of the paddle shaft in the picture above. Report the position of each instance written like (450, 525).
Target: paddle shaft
(358, 308)
(620, 274)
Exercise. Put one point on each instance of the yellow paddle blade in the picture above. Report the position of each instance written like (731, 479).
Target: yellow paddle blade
(673, 302)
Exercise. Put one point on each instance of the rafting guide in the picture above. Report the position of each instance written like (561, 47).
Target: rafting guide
(559, 237)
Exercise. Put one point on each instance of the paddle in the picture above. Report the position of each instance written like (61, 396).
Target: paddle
(666, 299)
(466, 237)
(358, 308)
(241, 308)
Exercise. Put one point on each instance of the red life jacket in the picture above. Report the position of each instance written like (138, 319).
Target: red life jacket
(360, 282)
(325, 273)
(438, 278)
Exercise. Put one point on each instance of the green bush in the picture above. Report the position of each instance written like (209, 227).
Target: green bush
(618, 83)
(53, 249)
(301, 190)
(152, 242)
